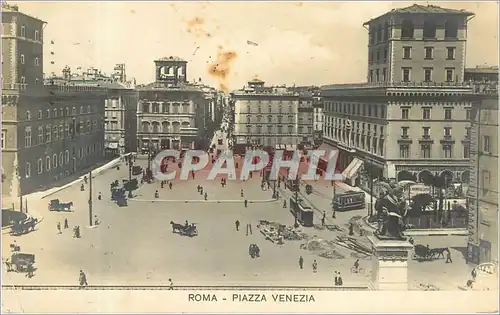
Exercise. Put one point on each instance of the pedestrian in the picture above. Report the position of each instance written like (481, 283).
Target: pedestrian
(206, 196)
(170, 185)
(83, 279)
(192, 174)
(315, 266)
(336, 278)
(241, 192)
(170, 284)
(198, 188)
(473, 274)
(59, 227)
(284, 203)
(448, 257)
(351, 229)
(99, 197)
(246, 203)
(162, 184)
(249, 229)
(8, 265)
(66, 225)
(324, 215)
(323, 221)
(251, 174)
(237, 224)
(157, 194)
(301, 262)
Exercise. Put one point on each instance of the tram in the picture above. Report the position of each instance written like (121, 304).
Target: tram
(302, 212)
(350, 200)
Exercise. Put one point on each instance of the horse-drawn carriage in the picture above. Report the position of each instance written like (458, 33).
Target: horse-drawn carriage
(56, 205)
(20, 228)
(425, 253)
(184, 230)
(21, 262)
(136, 170)
(118, 195)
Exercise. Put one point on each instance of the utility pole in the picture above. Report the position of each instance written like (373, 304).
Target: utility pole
(90, 198)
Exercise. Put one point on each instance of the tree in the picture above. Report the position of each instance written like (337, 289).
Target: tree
(420, 202)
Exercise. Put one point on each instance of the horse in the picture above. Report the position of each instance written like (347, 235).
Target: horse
(176, 226)
(438, 252)
(66, 205)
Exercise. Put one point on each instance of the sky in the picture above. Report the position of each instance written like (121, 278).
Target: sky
(302, 43)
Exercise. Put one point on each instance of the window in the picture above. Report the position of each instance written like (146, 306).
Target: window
(23, 31)
(384, 74)
(40, 114)
(426, 113)
(404, 151)
(466, 151)
(22, 59)
(54, 112)
(66, 110)
(385, 54)
(407, 52)
(23, 80)
(66, 156)
(447, 151)
(451, 29)
(40, 134)
(404, 132)
(378, 56)
(54, 161)
(54, 132)
(429, 29)
(73, 111)
(37, 35)
(156, 108)
(425, 151)
(485, 181)
(429, 53)
(407, 29)
(36, 81)
(37, 62)
(27, 137)
(47, 163)
(447, 113)
(450, 74)
(27, 170)
(47, 133)
(371, 76)
(427, 74)
(377, 74)
(39, 166)
(486, 144)
(81, 110)
(450, 53)
(404, 113)
(61, 159)
(406, 74)
(425, 131)
(468, 114)
(4, 134)
(48, 113)
(447, 131)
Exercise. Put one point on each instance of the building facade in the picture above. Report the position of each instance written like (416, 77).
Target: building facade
(276, 117)
(172, 113)
(413, 116)
(48, 132)
(483, 186)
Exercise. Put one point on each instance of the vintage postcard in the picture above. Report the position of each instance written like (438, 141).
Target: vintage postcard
(249, 157)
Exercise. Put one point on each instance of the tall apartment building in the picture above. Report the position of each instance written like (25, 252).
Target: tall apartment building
(276, 117)
(413, 115)
(120, 106)
(48, 132)
(483, 186)
(172, 113)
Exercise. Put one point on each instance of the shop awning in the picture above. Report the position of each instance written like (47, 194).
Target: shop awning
(353, 168)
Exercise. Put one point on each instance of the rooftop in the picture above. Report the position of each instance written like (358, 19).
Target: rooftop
(161, 86)
(81, 81)
(171, 58)
(15, 9)
(478, 69)
(423, 9)
(366, 85)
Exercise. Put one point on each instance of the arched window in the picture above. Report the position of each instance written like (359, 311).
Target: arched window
(73, 111)
(47, 163)
(373, 34)
(145, 126)
(66, 156)
(39, 165)
(379, 33)
(61, 159)
(28, 115)
(54, 112)
(66, 111)
(407, 29)
(27, 170)
(386, 31)
(54, 161)
(429, 29)
(61, 112)
(88, 109)
(451, 29)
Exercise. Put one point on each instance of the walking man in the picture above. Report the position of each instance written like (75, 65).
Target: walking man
(66, 225)
(237, 224)
(170, 284)
(448, 257)
(246, 203)
(241, 192)
(315, 266)
(83, 279)
(336, 278)
(170, 185)
(301, 262)
(323, 221)
(59, 227)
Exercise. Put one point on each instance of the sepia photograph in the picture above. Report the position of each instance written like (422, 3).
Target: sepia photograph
(249, 156)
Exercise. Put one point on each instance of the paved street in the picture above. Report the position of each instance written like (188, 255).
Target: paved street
(135, 244)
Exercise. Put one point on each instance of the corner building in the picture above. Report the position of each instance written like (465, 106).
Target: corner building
(49, 132)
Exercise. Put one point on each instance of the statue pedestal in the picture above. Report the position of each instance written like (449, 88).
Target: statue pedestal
(389, 264)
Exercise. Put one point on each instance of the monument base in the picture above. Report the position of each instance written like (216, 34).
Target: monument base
(389, 264)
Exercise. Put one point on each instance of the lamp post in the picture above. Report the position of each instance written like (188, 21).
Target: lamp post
(90, 198)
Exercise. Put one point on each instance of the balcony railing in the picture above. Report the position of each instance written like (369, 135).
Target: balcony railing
(14, 86)
(397, 85)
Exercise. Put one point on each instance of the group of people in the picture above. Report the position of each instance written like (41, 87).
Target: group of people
(338, 277)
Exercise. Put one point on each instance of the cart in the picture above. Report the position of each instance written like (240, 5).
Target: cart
(56, 205)
(21, 262)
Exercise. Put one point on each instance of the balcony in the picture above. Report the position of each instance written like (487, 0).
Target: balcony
(447, 139)
(397, 85)
(404, 139)
(426, 139)
(14, 86)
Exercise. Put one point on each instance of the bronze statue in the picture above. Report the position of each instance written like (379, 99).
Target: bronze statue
(392, 209)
